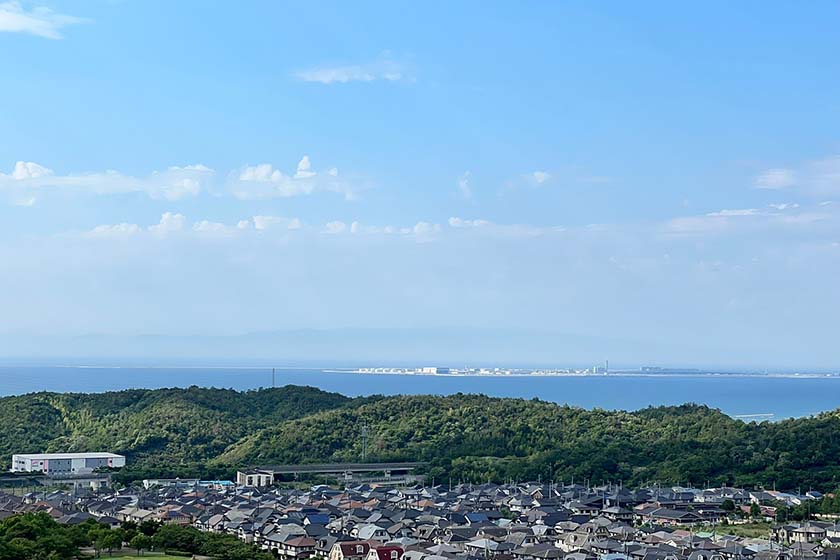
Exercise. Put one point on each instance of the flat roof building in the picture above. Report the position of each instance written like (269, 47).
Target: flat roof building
(65, 463)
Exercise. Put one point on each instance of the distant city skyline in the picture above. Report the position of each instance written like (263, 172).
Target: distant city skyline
(659, 181)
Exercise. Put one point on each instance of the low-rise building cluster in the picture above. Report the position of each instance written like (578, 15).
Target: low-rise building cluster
(463, 522)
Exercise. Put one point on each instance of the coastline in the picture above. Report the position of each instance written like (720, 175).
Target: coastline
(785, 395)
(623, 374)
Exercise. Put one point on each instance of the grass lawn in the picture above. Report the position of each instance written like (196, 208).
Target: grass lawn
(749, 530)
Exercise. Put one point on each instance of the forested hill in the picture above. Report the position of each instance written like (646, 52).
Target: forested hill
(154, 428)
(208, 432)
(478, 438)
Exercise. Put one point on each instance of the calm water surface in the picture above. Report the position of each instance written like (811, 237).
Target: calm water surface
(783, 397)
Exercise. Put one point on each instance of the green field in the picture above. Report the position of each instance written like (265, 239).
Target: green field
(749, 530)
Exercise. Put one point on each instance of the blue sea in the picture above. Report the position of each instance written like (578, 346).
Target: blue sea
(782, 397)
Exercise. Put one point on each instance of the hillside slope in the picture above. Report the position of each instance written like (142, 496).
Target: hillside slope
(210, 432)
(152, 427)
(478, 438)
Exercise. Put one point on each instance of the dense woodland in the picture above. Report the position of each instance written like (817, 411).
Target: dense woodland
(162, 432)
(37, 536)
(210, 432)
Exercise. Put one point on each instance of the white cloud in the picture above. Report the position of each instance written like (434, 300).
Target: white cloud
(29, 180)
(28, 170)
(568, 176)
(464, 187)
(265, 181)
(335, 226)
(504, 230)
(363, 229)
(218, 228)
(776, 179)
(541, 177)
(169, 223)
(304, 169)
(461, 223)
(713, 222)
(421, 230)
(784, 206)
(825, 175)
(25, 201)
(210, 227)
(115, 230)
(733, 213)
(425, 228)
(263, 223)
(540, 280)
(39, 21)
(746, 219)
(385, 69)
(819, 177)
(537, 179)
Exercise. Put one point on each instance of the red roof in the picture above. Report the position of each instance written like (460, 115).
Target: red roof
(387, 552)
(348, 548)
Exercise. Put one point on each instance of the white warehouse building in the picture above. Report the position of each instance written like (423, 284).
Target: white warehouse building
(65, 463)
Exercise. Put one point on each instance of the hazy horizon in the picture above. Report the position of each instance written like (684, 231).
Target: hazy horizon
(349, 348)
(649, 183)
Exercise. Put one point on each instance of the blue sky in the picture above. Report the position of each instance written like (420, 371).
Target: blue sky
(657, 172)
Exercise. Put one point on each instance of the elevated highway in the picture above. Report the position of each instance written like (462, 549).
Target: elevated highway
(341, 468)
(394, 472)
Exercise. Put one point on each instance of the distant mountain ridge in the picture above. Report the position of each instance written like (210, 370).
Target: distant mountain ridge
(211, 432)
(496, 346)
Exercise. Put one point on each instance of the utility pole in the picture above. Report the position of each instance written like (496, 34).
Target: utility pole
(273, 385)
(364, 442)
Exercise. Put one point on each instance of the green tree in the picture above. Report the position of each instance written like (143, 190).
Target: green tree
(35, 536)
(177, 537)
(228, 547)
(110, 541)
(95, 536)
(149, 527)
(755, 510)
(141, 542)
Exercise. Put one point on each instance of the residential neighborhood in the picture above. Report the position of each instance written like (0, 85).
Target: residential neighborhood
(530, 521)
